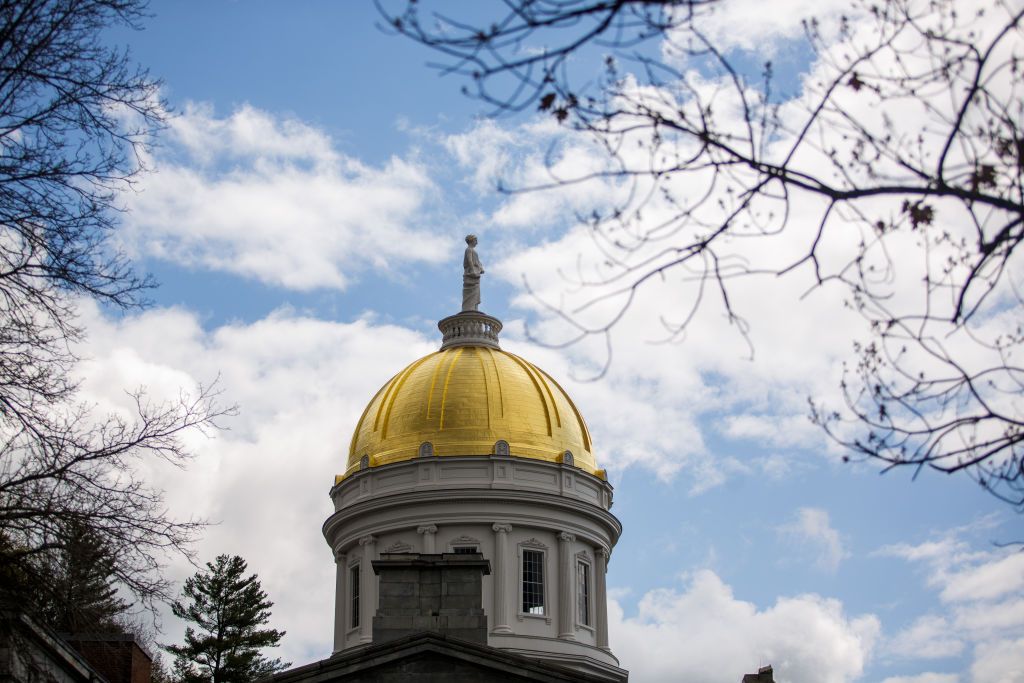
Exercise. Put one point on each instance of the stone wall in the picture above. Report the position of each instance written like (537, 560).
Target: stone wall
(435, 593)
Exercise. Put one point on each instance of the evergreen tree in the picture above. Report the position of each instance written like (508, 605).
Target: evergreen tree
(80, 594)
(159, 672)
(228, 610)
(71, 586)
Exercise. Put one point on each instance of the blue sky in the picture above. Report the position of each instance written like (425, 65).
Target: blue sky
(304, 212)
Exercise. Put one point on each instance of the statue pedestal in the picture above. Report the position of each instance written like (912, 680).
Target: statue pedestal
(469, 328)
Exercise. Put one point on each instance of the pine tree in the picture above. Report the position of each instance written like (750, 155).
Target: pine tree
(70, 586)
(228, 610)
(80, 594)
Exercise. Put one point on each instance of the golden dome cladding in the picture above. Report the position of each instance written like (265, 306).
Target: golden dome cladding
(463, 400)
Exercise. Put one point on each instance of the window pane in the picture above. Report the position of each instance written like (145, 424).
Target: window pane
(464, 549)
(533, 582)
(353, 574)
(583, 593)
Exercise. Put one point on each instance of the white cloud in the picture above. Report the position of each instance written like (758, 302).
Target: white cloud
(986, 581)
(536, 154)
(985, 620)
(270, 199)
(744, 24)
(248, 134)
(703, 633)
(709, 382)
(980, 590)
(999, 661)
(300, 383)
(629, 427)
(947, 550)
(776, 466)
(483, 149)
(812, 527)
(924, 678)
(791, 430)
(930, 637)
(963, 574)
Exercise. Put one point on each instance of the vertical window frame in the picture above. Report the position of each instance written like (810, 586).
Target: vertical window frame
(354, 596)
(540, 555)
(584, 593)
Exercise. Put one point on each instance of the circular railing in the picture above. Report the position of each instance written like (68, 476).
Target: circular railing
(469, 328)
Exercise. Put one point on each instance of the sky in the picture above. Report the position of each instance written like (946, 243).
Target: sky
(304, 211)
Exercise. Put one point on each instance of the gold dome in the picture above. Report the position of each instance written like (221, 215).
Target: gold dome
(463, 400)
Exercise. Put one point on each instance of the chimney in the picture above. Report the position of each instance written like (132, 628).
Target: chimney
(436, 593)
(116, 656)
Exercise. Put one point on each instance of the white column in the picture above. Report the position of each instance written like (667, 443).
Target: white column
(601, 597)
(340, 601)
(367, 588)
(566, 622)
(501, 572)
(429, 532)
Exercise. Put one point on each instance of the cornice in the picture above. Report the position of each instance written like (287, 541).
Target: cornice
(467, 497)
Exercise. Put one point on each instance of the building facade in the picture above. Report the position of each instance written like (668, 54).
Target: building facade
(473, 450)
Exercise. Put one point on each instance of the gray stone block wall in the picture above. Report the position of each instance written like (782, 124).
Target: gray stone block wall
(435, 593)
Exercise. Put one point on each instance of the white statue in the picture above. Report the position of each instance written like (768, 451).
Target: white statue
(472, 270)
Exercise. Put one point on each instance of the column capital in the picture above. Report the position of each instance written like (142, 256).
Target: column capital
(603, 554)
(501, 527)
(427, 529)
(368, 539)
(339, 557)
(566, 537)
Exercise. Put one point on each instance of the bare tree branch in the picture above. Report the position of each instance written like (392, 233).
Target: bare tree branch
(75, 118)
(906, 130)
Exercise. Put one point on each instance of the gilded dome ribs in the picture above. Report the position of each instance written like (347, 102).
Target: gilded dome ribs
(536, 385)
(433, 383)
(551, 397)
(497, 378)
(575, 410)
(383, 401)
(394, 394)
(463, 405)
(447, 379)
(487, 393)
(362, 420)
